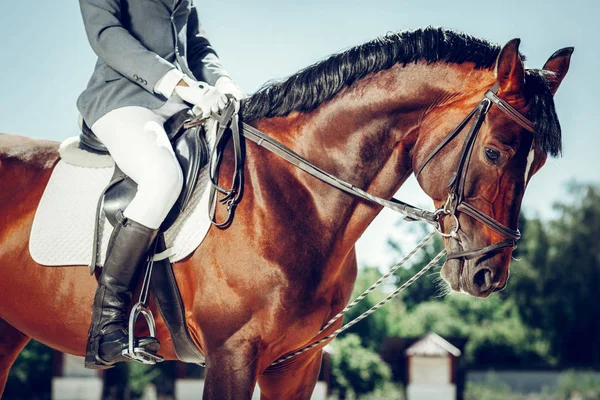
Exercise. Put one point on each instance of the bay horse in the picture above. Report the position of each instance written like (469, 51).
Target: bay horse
(264, 286)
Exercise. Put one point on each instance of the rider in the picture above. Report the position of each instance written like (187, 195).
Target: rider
(153, 61)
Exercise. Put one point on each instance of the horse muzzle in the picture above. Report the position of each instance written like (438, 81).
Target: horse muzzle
(477, 276)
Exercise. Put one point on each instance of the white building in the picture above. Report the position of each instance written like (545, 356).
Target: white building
(432, 369)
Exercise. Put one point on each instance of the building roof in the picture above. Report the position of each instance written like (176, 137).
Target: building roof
(432, 345)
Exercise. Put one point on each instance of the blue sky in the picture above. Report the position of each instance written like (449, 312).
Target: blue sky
(46, 61)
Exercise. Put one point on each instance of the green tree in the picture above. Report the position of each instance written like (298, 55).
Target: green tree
(558, 275)
(355, 369)
(31, 376)
(373, 329)
(429, 287)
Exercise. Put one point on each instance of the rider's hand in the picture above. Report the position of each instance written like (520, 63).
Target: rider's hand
(206, 99)
(226, 86)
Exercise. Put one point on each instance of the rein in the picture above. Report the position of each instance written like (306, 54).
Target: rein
(455, 201)
(229, 118)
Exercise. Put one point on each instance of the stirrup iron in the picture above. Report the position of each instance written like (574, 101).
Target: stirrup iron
(140, 354)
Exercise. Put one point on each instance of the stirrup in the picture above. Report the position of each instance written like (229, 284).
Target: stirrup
(140, 354)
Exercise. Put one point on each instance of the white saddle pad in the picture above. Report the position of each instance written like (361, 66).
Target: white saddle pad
(63, 226)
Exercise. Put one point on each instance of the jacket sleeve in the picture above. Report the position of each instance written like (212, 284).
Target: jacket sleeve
(202, 58)
(117, 47)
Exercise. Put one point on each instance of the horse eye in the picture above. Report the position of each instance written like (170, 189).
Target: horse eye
(492, 154)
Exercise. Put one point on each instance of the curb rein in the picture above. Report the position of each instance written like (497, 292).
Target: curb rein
(455, 201)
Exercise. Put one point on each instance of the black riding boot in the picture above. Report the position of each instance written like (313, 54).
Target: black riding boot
(108, 334)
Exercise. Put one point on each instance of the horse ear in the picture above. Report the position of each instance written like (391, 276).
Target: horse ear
(559, 64)
(510, 72)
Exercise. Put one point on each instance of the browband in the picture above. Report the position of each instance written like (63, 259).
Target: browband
(502, 105)
(508, 109)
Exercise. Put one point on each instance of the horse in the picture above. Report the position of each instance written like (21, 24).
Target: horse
(265, 286)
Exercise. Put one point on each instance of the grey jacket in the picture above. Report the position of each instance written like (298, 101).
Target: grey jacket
(137, 42)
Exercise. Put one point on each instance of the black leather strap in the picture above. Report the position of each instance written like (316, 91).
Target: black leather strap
(459, 178)
(268, 143)
(485, 219)
(470, 254)
(226, 122)
(508, 109)
(456, 201)
(446, 140)
(170, 305)
(174, 126)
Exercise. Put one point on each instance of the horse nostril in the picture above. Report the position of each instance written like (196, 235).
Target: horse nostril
(501, 287)
(483, 279)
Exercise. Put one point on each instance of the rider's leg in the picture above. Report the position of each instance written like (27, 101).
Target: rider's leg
(140, 147)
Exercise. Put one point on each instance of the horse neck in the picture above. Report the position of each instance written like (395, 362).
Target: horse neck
(366, 134)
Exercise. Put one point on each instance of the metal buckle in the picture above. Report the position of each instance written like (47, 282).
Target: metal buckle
(486, 104)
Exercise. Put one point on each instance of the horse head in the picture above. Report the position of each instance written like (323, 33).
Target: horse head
(478, 187)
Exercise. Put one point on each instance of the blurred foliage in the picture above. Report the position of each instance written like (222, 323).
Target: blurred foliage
(388, 391)
(375, 328)
(579, 385)
(557, 279)
(141, 375)
(571, 385)
(356, 370)
(30, 377)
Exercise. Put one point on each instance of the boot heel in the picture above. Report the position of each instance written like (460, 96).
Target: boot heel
(91, 362)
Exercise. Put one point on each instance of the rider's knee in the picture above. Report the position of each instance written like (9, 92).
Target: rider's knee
(168, 179)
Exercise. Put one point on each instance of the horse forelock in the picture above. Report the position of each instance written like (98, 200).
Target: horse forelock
(542, 112)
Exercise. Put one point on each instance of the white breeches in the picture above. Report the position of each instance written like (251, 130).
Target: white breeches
(138, 143)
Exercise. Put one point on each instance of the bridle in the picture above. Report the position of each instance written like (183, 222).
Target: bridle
(455, 202)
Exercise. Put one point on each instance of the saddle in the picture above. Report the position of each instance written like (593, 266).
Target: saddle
(191, 149)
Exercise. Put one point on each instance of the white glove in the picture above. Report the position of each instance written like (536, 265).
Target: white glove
(226, 86)
(206, 99)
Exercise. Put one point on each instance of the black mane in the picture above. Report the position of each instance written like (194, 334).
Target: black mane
(307, 89)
